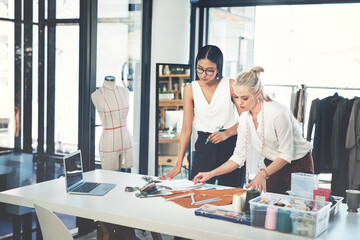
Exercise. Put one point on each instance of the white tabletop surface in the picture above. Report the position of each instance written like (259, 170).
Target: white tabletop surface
(155, 214)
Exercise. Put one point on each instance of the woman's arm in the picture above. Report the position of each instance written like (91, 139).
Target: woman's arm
(259, 181)
(188, 116)
(218, 137)
(226, 167)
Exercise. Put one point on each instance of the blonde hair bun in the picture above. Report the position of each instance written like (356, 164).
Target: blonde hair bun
(257, 70)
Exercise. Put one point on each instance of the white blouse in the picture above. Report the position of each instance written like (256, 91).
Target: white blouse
(282, 132)
(221, 111)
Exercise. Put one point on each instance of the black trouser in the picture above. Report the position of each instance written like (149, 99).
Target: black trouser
(210, 156)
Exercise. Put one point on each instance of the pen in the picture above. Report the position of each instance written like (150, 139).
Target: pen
(210, 138)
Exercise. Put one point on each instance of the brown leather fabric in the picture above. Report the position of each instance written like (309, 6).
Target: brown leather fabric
(226, 196)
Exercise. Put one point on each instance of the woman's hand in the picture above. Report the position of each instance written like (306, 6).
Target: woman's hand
(202, 177)
(258, 183)
(218, 137)
(173, 173)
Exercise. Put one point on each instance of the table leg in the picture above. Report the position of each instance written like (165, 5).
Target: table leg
(156, 236)
(27, 226)
(38, 230)
(16, 227)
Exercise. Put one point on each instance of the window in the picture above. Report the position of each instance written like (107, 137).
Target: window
(8, 120)
(232, 30)
(119, 55)
(294, 45)
(67, 88)
(68, 9)
(7, 9)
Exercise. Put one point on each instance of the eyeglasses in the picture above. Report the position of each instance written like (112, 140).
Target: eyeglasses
(207, 72)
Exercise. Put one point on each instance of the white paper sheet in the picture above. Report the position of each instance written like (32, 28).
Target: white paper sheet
(180, 184)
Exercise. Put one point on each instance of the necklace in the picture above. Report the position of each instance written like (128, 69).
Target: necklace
(262, 138)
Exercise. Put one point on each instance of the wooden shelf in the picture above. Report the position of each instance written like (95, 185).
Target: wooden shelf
(175, 75)
(169, 140)
(169, 81)
(170, 103)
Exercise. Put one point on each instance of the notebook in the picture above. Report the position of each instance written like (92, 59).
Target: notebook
(75, 183)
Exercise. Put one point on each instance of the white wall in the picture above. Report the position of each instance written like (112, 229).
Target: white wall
(169, 44)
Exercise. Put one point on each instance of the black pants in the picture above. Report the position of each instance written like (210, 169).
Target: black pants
(210, 156)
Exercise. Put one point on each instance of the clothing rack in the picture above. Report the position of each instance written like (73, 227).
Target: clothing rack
(303, 86)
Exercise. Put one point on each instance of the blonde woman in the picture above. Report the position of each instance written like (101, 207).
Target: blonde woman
(272, 130)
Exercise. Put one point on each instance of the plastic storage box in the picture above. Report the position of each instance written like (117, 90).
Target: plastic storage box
(335, 206)
(289, 214)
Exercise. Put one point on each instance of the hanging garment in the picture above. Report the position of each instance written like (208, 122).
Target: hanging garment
(351, 145)
(340, 155)
(339, 129)
(323, 129)
(294, 102)
(301, 105)
(357, 134)
(312, 117)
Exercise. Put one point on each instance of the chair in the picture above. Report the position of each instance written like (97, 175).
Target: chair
(51, 226)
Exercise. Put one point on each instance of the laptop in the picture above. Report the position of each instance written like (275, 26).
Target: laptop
(75, 183)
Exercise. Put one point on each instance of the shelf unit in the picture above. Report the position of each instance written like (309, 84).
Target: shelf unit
(175, 84)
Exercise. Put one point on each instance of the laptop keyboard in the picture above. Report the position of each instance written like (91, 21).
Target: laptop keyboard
(86, 187)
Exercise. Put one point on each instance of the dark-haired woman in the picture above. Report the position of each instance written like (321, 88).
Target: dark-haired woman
(208, 107)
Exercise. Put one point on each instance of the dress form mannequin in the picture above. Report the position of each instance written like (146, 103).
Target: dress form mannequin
(112, 105)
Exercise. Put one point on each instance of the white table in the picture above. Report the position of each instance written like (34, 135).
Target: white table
(154, 214)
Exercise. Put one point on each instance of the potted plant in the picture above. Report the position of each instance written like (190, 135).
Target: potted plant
(166, 95)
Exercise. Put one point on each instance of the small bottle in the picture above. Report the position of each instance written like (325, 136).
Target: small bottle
(166, 70)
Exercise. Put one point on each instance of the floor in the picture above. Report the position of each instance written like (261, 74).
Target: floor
(69, 221)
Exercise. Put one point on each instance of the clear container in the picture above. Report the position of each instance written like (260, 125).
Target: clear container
(334, 209)
(305, 217)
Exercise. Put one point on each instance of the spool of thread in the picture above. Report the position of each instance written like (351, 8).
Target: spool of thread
(258, 215)
(237, 203)
(243, 198)
(271, 218)
(250, 194)
(284, 222)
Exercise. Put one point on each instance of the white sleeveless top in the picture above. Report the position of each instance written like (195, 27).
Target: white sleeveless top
(220, 112)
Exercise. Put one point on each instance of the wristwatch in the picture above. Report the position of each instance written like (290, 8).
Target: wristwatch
(266, 174)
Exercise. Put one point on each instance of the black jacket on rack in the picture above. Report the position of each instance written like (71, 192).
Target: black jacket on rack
(323, 128)
(340, 155)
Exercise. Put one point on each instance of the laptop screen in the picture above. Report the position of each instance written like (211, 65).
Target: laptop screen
(73, 168)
